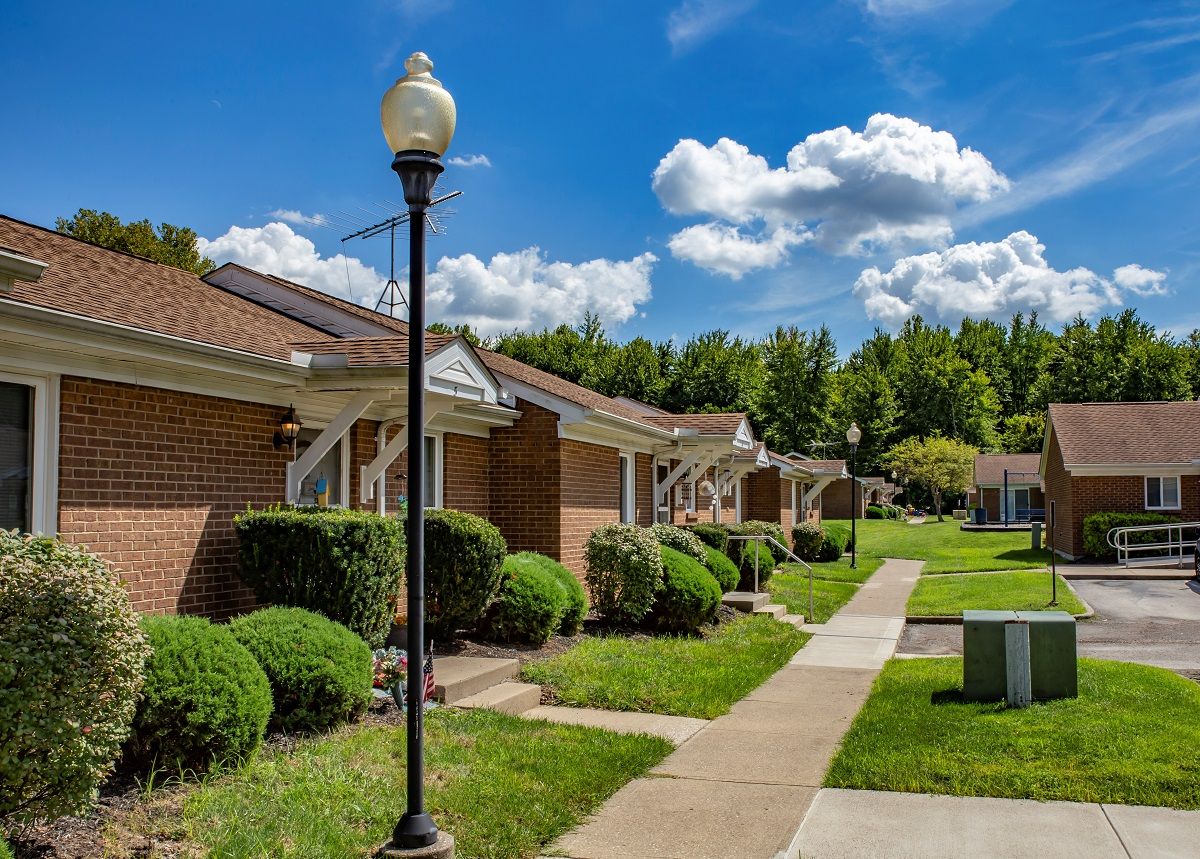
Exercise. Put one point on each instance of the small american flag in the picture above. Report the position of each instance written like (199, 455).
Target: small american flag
(427, 671)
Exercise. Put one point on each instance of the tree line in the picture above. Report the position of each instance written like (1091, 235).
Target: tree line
(986, 384)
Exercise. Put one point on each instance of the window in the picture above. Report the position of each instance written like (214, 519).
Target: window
(16, 457)
(663, 514)
(326, 475)
(433, 471)
(628, 511)
(1162, 493)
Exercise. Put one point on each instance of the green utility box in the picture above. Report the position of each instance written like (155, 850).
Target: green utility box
(1052, 656)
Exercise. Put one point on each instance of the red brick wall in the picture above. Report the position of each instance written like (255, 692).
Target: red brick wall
(760, 498)
(590, 487)
(785, 506)
(836, 500)
(150, 480)
(466, 483)
(644, 468)
(525, 481)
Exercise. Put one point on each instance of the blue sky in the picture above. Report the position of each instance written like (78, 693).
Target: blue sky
(1022, 154)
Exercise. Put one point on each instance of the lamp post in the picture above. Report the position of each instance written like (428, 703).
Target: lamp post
(853, 435)
(418, 118)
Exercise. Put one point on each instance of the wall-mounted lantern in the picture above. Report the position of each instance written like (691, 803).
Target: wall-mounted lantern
(289, 429)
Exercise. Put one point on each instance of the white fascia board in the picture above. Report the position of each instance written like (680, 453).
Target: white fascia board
(1129, 469)
(457, 370)
(567, 411)
(1011, 484)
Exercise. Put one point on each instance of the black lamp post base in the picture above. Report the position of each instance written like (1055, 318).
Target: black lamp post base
(443, 848)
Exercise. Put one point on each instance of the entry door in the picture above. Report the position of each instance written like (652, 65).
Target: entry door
(1018, 504)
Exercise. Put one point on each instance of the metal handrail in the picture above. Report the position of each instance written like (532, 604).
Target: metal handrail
(759, 538)
(1118, 538)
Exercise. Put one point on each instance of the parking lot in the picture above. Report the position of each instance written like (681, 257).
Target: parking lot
(1154, 622)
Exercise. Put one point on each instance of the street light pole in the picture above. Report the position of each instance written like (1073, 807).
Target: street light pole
(852, 436)
(418, 118)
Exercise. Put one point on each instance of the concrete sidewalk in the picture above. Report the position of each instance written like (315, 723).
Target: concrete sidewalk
(741, 785)
(868, 824)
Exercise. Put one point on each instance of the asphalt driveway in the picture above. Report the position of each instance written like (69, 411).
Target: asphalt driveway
(1153, 622)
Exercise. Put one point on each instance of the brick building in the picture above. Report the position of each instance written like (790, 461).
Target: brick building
(1014, 473)
(139, 405)
(1119, 457)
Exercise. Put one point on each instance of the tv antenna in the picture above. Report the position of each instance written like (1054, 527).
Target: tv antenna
(364, 228)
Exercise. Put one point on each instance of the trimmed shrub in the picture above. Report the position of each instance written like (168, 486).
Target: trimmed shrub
(463, 556)
(742, 552)
(714, 534)
(346, 564)
(71, 660)
(320, 672)
(1097, 525)
(680, 540)
(874, 511)
(576, 599)
(837, 540)
(206, 700)
(689, 596)
(530, 604)
(722, 569)
(807, 537)
(624, 572)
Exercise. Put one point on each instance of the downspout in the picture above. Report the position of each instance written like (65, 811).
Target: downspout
(381, 483)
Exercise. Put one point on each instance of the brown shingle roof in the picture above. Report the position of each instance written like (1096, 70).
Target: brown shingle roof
(98, 283)
(722, 423)
(822, 464)
(1136, 433)
(560, 388)
(1022, 467)
(372, 351)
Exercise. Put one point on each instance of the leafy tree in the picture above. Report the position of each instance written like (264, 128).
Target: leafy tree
(1025, 356)
(942, 465)
(582, 355)
(463, 329)
(938, 390)
(171, 245)
(637, 371)
(863, 394)
(983, 344)
(1023, 433)
(714, 373)
(791, 408)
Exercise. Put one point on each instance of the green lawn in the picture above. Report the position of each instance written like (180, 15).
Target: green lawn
(791, 590)
(1025, 590)
(678, 676)
(503, 786)
(947, 548)
(839, 570)
(1130, 737)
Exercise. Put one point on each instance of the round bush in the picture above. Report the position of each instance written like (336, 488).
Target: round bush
(624, 572)
(463, 555)
(205, 701)
(530, 604)
(874, 511)
(71, 659)
(722, 569)
(742, 552)
(680, 540)
(807, 538)
(689, 596)
(837, 540)
(576, 599)
(346, 564)
(320, 672)
(714, 534)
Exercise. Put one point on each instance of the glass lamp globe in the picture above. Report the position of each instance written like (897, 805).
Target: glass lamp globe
(853, 434)
(418, 113)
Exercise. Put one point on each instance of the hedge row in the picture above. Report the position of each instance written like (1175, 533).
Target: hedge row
(1097, 525)
(826, 542)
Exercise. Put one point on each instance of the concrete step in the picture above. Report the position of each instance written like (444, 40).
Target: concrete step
(745, 601)
(775, 611)
(796, 620)
(511, 698)
(458, 677)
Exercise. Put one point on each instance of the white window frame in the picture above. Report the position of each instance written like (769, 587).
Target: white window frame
(1161, 494)
(627, 505)
(434, 493)
(43, 514)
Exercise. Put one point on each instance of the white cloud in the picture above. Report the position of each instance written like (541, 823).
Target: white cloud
(524, 290)
(1140, 281)
(276, 249)
(897, 11)
(513, 290)
(897, 182)
(995, 279)
(470, 161)
(295, 216)
(697, 21)
(722, 248)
